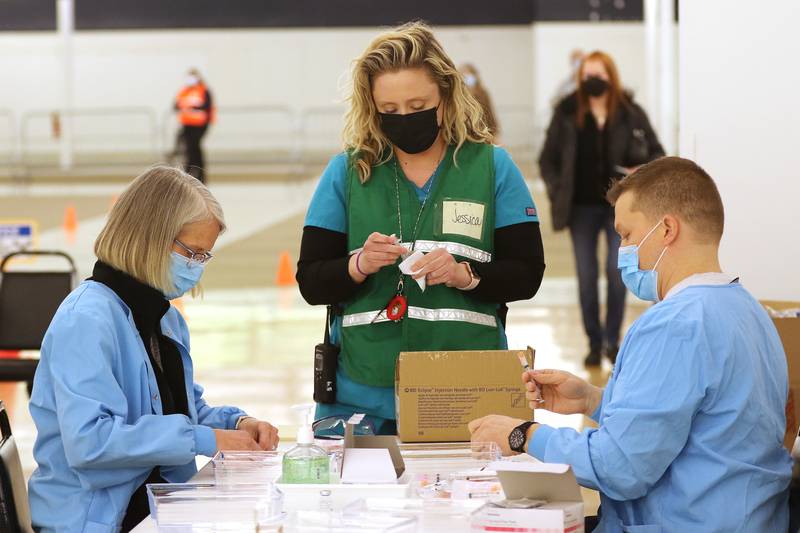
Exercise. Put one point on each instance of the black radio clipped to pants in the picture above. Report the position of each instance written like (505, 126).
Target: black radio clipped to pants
(326, 358)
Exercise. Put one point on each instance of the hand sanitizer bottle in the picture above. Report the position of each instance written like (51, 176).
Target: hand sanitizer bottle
(306, 463)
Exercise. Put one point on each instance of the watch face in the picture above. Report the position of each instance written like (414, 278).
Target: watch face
(516, 439)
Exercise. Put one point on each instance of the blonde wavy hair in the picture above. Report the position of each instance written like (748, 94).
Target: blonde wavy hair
(411, 45)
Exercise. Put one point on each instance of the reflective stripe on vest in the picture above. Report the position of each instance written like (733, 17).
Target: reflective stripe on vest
(455, 248)
(422, 313)
(441, 318)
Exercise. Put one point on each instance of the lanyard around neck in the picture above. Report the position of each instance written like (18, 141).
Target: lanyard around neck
(424, 201)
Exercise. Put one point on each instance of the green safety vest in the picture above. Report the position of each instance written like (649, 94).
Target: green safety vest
(459, 216)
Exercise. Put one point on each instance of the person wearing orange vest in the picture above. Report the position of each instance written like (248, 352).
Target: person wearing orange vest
(195, 112)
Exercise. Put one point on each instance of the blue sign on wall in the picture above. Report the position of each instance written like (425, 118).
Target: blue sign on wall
(16, 236)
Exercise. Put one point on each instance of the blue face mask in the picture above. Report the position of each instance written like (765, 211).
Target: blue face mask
(642, 283)
(185, 275)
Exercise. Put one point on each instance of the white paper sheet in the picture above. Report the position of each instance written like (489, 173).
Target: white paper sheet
(368, 465)
(408, 262)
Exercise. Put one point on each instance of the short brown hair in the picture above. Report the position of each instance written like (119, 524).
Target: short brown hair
(672, 185)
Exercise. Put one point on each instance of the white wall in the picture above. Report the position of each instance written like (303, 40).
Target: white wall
(553, 42)
(739, 116)
(296, 68)
(520, 65)
(299, 67)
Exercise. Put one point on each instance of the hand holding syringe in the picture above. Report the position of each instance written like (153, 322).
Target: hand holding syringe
(559, 391)
(529, 368)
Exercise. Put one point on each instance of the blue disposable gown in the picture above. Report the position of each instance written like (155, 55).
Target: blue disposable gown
(97, 411)
(691, 422)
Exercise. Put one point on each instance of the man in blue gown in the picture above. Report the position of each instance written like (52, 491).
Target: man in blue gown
(692, 419)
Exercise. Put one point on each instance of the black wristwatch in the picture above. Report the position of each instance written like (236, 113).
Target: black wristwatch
(518, 437)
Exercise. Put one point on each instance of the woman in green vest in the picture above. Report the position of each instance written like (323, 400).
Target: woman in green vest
(418, 174)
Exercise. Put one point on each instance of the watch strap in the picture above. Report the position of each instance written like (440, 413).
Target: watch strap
(524, 429)
(474, 279)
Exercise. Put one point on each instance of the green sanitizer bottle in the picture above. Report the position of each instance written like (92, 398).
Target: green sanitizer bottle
(306, 463)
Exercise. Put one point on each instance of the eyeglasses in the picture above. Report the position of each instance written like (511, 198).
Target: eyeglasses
(332, 427)
(200, 258)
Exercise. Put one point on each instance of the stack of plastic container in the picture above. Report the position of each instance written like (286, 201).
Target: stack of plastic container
(201, 508)
(237, 468)
(456, 470)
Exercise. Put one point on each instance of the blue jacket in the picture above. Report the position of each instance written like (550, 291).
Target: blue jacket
(99, 419)
(691, 422)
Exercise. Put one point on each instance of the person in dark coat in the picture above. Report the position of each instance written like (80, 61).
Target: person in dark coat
(597, 134)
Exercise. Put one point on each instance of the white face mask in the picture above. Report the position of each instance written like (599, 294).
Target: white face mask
(191, 80)
(470, 80)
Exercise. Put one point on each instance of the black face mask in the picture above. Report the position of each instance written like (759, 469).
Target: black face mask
(594, 86)
(412, 133)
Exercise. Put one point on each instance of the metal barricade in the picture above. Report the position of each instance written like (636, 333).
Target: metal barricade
(255, 135)
(518, 132)
(8, 142)
(321, 133)
(101, 136)
(243, 135)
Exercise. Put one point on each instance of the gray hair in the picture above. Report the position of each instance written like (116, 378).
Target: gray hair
(142, 226)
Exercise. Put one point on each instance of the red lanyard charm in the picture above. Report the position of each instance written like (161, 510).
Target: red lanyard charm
(396, 309)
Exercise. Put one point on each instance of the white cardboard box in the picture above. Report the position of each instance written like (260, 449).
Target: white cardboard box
(554, 483)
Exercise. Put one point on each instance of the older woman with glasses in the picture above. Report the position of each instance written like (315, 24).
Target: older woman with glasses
(114, 399)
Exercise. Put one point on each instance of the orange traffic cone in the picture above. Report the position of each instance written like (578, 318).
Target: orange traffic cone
(285, 277)
(70, 223)
(178, 303)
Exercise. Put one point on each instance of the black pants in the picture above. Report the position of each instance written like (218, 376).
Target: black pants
(586, 225)
(138, 506)
(195, 164)
(591, 522)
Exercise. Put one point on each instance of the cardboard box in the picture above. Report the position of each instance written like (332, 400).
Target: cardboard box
(554, 483)
(438, 393)
(789, 331)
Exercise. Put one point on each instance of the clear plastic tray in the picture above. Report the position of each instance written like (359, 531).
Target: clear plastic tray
(349, 521)
(431, 515)
(431, 468)
(456, 454)
(449, 459)
(416, 507)
(187, 507)
(236, 468)
(335, 497)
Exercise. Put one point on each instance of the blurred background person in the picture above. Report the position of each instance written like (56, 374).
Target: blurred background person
(195, 109)
(473, 81)
(569, 84)
(597, 133)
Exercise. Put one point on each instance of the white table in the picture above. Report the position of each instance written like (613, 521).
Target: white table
(302, 496)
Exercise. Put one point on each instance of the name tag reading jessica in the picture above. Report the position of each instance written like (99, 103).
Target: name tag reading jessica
(463, 218)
